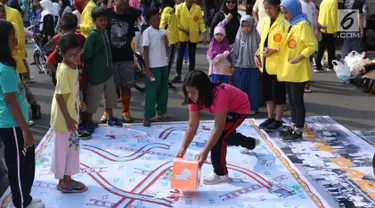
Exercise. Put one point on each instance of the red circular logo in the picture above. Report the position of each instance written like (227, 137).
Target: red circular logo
(195, 18)
(292, 43)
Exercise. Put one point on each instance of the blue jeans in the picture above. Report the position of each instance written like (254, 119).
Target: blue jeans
(248, 80)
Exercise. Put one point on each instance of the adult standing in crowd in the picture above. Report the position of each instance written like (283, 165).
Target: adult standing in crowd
(191, 26)
(259, 13)
(328, 16)
(247, 7)
(169, 22)
(87, 23)
(228, 14)
(65, 7)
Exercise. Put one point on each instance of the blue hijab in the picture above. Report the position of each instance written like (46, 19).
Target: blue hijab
(295, 8)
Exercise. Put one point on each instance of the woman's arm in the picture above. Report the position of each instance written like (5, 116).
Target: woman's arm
(191, 130)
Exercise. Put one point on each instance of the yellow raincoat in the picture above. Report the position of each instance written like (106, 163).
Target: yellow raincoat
(299, 41)
(275, 35)
(191, 20)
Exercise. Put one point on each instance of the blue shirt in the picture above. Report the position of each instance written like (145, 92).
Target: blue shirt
(10, 82)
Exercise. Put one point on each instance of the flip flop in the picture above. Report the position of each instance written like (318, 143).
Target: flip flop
(72, 188)
(161, 118)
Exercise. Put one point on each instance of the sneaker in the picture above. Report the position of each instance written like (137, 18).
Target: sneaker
(276, 125)
(318, 70)
(35, 204)
(245, 150)
(104, 117)
(293, 136)
(176, 79)
(266, 123)
(35, 112)
(31, 122)
(126, 117)
(329, 70)
(286, 132)
(115, 122)
(214, 179)
(87, 128)
(85, 136)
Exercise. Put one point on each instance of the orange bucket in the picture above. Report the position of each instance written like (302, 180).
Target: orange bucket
(185, 174)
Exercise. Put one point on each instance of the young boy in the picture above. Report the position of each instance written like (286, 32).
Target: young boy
(97, 58)
(155, 44)
(68, 24)
(121, 33)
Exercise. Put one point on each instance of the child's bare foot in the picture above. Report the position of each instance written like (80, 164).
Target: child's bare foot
(161, 118)
(146, 123)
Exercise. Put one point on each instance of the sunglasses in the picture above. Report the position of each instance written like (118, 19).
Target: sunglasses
(231, 2)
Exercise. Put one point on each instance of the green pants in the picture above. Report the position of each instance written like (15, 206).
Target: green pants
(156, 99)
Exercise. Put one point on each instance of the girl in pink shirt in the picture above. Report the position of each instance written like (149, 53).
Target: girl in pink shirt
(230, 106)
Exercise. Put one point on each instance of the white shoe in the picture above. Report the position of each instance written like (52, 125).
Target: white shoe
(31, 122)
(35, 204)
(214, 179)
(244, 150)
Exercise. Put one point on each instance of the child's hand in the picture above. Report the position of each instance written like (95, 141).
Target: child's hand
(28, 138)
(71, 124)
(295, 60)
(202, 158)
(149, 75)
(83, 106)
(181, 152)
(257, 62)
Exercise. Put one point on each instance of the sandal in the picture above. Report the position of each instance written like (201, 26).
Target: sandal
(72, 188)
(146, 123)
(161, 118)
(308, 91)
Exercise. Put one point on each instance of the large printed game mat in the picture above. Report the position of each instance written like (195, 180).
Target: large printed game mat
(132, 167)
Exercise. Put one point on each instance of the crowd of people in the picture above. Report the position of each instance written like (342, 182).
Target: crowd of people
(252, 59)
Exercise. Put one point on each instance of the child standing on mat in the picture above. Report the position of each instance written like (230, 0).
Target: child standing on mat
(64, 117)
(246, 75)
(230, 107)
(14, 130)
(98, 64)
(155, 44)
(218, 54)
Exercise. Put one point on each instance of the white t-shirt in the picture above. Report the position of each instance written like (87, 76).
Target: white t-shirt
(158, 53)
(312, 15)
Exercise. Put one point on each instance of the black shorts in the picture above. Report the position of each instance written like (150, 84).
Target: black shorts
(273, 90)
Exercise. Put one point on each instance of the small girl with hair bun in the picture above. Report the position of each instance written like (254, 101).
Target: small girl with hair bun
(218, 54)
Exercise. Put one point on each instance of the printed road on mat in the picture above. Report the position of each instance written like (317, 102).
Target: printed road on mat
(131, 167)
(336, 162)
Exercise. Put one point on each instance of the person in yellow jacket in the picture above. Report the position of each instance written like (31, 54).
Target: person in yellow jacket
(87, 24)
(328, 18)
(169, 22)
(190, 25)
(294, 65)
(273, 27)
(19, 54)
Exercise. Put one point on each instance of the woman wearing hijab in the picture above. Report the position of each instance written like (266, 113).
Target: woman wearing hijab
(65, 7)
(294, 64)
(230, 17)
(48, 27)
(247, 75)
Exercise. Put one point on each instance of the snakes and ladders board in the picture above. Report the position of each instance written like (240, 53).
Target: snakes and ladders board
(132, 167)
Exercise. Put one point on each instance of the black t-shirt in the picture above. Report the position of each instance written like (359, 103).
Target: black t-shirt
(121, 31)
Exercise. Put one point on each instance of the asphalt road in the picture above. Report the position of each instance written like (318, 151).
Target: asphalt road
(344, 103)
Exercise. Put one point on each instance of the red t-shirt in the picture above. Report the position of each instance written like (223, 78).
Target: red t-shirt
(227, 98)
(81, 40)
